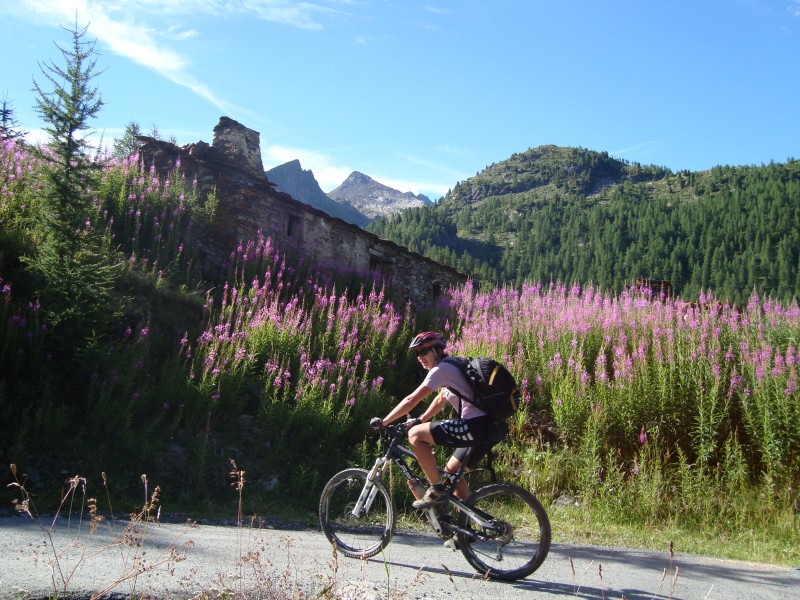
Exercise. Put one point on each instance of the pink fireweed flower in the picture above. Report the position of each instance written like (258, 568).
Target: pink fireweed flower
(736, 381)
(643, 436)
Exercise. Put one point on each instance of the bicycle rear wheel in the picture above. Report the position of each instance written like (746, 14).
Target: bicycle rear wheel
(524, 541)
(362, 536)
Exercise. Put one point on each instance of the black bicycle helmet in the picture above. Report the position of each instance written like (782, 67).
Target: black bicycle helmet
(427, 339)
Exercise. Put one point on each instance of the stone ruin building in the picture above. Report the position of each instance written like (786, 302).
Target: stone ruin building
(248, 203)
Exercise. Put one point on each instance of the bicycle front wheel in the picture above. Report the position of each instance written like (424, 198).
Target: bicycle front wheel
(523, 540)
(356, 536)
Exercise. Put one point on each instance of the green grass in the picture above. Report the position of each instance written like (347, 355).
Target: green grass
(579, 526)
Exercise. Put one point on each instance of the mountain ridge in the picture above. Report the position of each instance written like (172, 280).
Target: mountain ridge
(359, 199)
(301, 184)
(563, 214)
(373, 198)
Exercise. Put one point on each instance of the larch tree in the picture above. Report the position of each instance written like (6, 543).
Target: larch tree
(72, 262)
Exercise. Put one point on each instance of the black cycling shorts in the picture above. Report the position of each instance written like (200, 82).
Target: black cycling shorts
(481, 433)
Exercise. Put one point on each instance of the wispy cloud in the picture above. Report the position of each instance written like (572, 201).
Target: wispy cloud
(128, 29)
(177, 33)
(330, 175)
(128, 37)
(427, 26)
(435, 190)
(299, 14)
(637, 149)
(438, 10)
(303, 14)
(326, 172)
(427, 165)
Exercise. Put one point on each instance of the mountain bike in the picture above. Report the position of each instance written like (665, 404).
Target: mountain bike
(501, 529)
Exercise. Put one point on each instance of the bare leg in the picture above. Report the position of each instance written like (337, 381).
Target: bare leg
(421, 444)
(462, 489)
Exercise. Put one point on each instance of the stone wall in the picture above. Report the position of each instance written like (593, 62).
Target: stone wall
(249, 203)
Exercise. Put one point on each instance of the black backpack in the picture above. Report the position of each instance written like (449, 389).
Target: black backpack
(495, 389)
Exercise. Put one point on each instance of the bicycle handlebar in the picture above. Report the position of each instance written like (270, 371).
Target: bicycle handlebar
(391, 432)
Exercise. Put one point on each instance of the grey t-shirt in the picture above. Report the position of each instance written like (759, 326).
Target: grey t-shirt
(446, 375)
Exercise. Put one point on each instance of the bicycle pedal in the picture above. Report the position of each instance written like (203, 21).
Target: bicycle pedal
(451, 544)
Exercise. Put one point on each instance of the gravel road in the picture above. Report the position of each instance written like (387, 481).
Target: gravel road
(182, 561)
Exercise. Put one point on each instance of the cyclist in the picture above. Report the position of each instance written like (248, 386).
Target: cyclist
(473, 427)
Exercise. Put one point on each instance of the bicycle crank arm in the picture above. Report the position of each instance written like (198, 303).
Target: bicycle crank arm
(470, 535)
(430, 513)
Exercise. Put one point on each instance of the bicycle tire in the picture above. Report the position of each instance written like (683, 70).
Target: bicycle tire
(526, 543)
(356, 537)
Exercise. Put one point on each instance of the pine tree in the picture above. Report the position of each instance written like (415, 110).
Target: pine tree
(9, 128)
(67, 111)
(71, 259)
(128, 145)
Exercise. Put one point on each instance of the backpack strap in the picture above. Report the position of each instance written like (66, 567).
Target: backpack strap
(461, 398)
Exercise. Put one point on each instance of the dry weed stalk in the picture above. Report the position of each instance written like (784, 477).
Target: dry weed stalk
(133, 536)
(602, 585)
(237, 475)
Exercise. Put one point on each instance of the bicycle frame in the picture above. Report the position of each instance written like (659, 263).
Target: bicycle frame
(400, 455)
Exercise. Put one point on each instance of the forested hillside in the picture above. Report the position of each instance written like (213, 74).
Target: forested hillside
(571, 215)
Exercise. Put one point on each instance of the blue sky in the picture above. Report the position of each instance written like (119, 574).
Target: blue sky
(422, 94)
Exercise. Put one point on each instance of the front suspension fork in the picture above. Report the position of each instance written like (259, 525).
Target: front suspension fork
(369, 491)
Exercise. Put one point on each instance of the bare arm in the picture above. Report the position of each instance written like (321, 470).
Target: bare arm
(407, 404)
(435, 406)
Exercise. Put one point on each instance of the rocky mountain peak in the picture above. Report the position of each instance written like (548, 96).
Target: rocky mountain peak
(356, 178)
(374, 199)
(301, 184)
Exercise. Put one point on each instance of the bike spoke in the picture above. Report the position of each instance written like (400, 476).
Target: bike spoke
(356, 536)
(522, 539)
